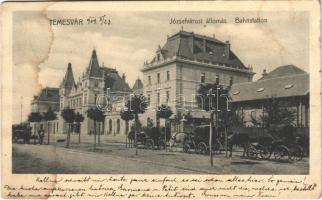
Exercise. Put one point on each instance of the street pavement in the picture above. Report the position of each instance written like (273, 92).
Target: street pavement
(112, 157)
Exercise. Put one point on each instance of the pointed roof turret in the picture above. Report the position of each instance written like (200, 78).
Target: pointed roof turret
(93, 69)
(68, 80)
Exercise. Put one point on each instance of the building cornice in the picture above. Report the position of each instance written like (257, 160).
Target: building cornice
(148, 67)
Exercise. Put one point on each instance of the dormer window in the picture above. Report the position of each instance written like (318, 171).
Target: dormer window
(289, 86)
(260, 89)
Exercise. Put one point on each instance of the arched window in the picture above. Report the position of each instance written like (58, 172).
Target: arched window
(110, 126)
(118, 126)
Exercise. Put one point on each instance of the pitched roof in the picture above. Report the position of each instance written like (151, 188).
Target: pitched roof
(283, 71)
(199, 47)
(68, 80)
(93, 69)
(48, 94)
(282, 86)
(112, 76)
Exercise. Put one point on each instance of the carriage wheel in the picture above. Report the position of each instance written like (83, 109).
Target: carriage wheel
(252, 152)
(149, 144)
(281, 153)
(202, 148)
(161, 144)
(296, 153)
(265, 152)
(186, 148)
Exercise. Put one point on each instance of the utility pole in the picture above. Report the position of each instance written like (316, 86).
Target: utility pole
(21, 100)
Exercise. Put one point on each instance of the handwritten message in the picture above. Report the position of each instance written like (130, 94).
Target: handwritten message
(159, 186)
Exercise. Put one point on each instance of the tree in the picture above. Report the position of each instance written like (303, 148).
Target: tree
(35, 117)
(212, 98)
(68, 115)
(49, 116)
(78, 119)
(276, 113)
(228, 118)
(127, 116)
(164, 112)
(97, 116)
(137, 104)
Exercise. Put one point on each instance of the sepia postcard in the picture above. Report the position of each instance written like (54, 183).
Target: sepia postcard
(142, 100)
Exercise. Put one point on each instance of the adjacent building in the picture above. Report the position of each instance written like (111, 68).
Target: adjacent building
(92, 86)
(48, 98)
(288, 84)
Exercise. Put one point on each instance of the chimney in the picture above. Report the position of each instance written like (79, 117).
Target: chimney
(264, 73)
(214, 35)
(69, 65)
(123, 77)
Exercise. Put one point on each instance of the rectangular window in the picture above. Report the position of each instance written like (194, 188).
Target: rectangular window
(217, 79)
(231, 81)
(158, 77)
(202, 77)
(149, 80)
(168, 97)
(149, 99)
(168, 75)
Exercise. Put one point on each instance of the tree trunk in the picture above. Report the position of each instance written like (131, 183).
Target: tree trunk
(48, 139)
(165, 135)
(94, 134)
(210, 137)
(99, 136)
(126, 132)
(226, 142)
(135, 140)
(36, 131)
(79, 130)
(68, 136)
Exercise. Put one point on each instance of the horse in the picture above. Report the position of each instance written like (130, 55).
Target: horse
(241, 139)
(131, 138)
(178, 138)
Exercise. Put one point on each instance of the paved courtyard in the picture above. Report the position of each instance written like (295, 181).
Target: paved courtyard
(112, 157)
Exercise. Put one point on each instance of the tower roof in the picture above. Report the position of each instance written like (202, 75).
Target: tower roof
(68, 80)
(137, 85)
(93, 69)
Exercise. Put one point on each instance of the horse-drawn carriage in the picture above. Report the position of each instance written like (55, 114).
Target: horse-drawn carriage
(21, 134)
(198, 141)
(278, 142)
(149, 138)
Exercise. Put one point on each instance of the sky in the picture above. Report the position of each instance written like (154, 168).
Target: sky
(41, 52)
